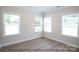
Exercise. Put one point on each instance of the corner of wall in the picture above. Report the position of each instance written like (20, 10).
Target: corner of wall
(52, 38)
(21, 40)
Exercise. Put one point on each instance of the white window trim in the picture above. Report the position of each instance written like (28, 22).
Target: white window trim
(3, 27)
(44, 25)
(62, 27)
(41, 25)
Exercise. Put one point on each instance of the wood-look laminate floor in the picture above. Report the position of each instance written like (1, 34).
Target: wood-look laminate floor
(39, 45)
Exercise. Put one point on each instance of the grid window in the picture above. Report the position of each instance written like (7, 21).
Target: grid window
(11, 24)
(47, 24)
(70, 25)
(38, 23)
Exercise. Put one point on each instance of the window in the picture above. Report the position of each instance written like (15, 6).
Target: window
(47, 24)
(38, 23)
(11, 24)
(70, 25)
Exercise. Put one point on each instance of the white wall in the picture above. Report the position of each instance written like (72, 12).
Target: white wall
(57, 26)
(27, 26)
(27, 21)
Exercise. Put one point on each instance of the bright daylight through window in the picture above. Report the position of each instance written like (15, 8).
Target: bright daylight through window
(70, 25)
(47, 24)
(11, 24)
(38, 23)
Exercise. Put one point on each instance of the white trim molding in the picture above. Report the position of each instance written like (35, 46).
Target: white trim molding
(73, 45)
(22, 40)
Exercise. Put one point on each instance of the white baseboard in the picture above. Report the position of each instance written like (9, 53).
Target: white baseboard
(73, 45)
(38, 36)
(30, 38)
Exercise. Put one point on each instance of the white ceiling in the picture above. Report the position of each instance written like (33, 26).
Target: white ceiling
(40, 9)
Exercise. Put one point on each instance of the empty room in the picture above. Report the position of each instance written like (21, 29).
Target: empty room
(39, 28)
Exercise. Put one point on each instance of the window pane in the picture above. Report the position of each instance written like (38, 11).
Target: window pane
(11, 24)
(38, 24)
(70, 25)
(47, 24)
